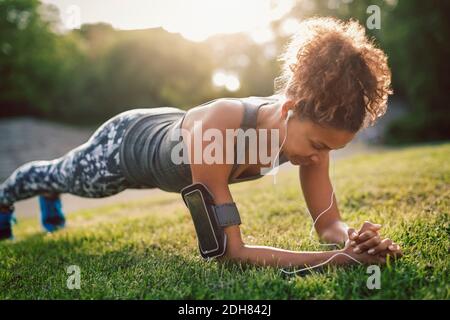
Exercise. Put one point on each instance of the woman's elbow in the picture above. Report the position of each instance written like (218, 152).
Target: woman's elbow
(234, 244)
(232, 253)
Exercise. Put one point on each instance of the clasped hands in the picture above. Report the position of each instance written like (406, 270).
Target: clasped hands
(366, 245)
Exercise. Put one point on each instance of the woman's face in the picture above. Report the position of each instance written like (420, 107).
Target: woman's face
(307, 143)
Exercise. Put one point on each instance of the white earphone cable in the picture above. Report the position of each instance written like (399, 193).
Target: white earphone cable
(322, 263)
(317, 218)
(290, 112)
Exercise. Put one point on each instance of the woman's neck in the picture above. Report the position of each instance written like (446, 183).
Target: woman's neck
(269, 116)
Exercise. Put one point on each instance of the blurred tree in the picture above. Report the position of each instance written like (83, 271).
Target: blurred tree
(28, 57)
(253, 63)
(416, 35)
(144, 68)
(86, 75)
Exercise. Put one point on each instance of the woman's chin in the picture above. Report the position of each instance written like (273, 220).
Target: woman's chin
(299, 162)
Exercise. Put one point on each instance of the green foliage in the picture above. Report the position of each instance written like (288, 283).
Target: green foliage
(416, 35)
(87, 75)
(148, 249)
(29, 57)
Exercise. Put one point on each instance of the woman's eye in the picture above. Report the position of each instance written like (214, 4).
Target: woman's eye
(315, 146)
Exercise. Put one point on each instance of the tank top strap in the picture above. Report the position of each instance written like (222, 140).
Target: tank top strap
(250, 113)
(250, 109)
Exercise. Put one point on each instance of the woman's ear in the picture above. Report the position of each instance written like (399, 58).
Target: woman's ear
(288, 105)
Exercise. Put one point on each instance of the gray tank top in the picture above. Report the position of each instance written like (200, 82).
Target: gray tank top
(145, 150)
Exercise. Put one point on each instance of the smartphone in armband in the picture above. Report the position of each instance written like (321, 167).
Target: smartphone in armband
(210, 234)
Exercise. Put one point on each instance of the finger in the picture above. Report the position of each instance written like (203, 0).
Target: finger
(366, 235)
(394, 247)
(371, 243)
(384, 245)
(367, 225)
(395, 250)
(352, 234)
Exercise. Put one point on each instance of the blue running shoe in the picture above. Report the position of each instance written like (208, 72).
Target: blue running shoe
(52, 217)
(6, 220)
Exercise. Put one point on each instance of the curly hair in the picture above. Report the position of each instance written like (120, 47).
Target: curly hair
(335, 74)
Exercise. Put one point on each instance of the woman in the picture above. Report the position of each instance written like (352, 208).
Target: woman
(334, 83)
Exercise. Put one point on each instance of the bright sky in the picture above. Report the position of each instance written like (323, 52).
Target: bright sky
(194, 19)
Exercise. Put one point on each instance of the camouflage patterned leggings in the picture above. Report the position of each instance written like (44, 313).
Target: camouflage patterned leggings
(91, 170)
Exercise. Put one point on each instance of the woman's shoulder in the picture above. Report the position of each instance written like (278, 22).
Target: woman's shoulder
(220, 113)
(231, 110)
(224, 112)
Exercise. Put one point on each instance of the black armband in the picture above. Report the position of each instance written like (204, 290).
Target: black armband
(209, 219)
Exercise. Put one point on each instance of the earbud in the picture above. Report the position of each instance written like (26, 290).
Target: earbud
(289, 115)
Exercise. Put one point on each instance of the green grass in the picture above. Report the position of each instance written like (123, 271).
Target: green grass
(148, 249)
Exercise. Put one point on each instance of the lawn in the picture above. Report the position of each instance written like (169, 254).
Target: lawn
(148, 249)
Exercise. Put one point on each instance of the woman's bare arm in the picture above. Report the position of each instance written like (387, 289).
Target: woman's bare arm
(215, 177)
(237, 251)
(317, 189)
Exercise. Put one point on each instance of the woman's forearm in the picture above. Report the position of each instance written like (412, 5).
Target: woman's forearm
(317, 190)
(270, 256)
